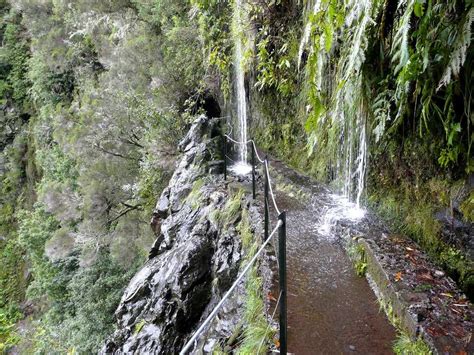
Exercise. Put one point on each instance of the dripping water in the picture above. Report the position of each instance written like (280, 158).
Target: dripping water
(350, 164)
(354, 161)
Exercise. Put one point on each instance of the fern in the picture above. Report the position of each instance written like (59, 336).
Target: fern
(400, 49)
(381, 111)
(458, 56)
(356, 57)
(307, 32)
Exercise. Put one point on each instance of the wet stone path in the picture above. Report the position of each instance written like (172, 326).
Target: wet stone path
(331, 310)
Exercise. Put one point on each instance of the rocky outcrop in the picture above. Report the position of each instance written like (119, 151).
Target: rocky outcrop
(193, 260)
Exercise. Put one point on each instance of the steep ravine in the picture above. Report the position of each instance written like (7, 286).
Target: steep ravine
(193, 261)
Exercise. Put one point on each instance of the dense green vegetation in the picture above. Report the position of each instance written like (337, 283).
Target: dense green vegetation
(95, 95)
(92, 111)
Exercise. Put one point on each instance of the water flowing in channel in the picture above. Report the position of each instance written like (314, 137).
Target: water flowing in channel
(241, 167)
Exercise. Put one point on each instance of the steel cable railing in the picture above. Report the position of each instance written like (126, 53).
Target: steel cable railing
(249, 141)
(270, 187)
(281, 228)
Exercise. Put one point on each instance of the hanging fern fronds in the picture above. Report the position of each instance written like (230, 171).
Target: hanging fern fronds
(356, 57)
(400, 49)
(307, 30)
(458, 56)
(381, 110)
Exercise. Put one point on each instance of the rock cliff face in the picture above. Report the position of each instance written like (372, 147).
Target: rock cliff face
(192, 262)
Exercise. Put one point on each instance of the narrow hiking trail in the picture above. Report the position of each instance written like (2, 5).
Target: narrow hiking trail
(331, 310)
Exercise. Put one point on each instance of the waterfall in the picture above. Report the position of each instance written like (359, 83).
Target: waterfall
(361, 163)
(341, 82)
(241, 167)
(240, 86)
(354, 160)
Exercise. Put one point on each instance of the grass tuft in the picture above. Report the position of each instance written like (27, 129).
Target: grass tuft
(357, 254)
(258, 334)
(405, 345)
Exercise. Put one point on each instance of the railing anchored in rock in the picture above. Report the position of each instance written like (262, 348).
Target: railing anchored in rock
(280, 227)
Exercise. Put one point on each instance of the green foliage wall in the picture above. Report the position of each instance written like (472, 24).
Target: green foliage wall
(318, 70)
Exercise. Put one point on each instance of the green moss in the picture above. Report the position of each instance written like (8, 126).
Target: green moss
(357, 254)
(232, 208)
(292, 191)
(421, 225)
(195, 195)
(467, 208)
(139, 326)
(405, 345)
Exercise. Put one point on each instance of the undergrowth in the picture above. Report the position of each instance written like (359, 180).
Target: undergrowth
(257, 333)
(405, 345)
(415, 218)
(356, 252)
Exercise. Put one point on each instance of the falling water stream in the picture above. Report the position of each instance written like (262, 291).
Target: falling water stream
(241, 167)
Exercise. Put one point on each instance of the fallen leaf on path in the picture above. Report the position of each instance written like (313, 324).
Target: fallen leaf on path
(270, 297)
(398, 276)
(426, 276)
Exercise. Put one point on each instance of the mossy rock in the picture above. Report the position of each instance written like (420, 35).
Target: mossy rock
(467, 208)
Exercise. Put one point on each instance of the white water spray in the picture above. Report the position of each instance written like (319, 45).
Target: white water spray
(355, 161)
(348, 114)
(340, 210)
(361, 163)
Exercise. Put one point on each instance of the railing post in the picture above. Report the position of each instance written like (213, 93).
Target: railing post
(253, 170)
(225, 157)
(265, 197)
(282, 274)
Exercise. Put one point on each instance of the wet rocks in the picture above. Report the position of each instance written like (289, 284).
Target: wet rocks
(192, 262)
